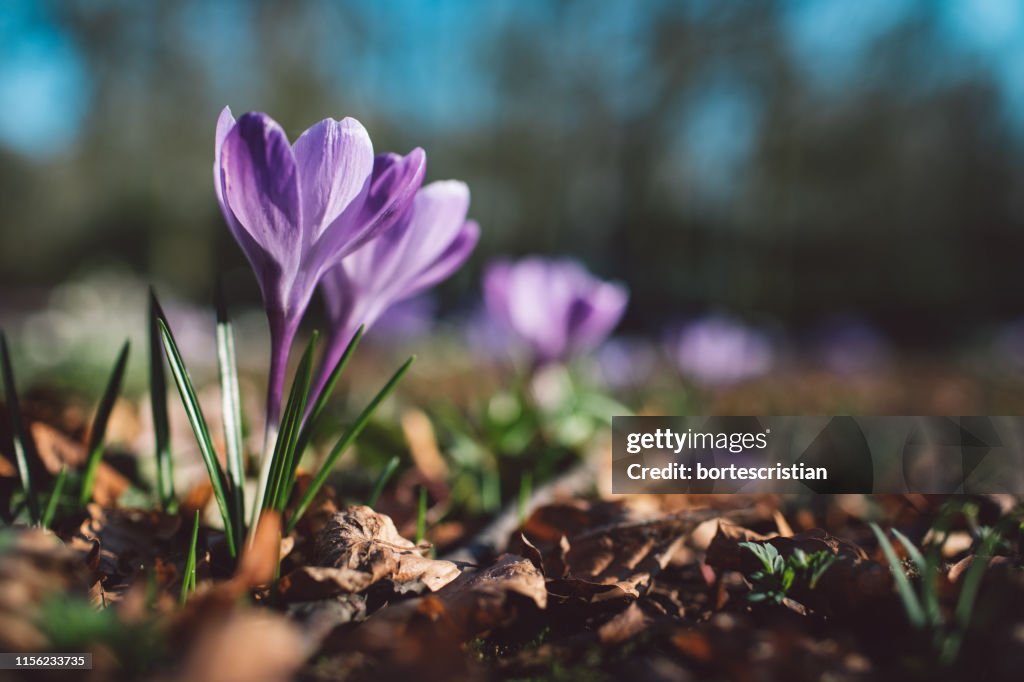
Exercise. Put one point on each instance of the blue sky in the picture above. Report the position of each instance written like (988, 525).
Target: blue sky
(413, 69)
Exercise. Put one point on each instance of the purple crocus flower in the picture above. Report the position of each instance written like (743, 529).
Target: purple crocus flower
(554, 306)
(297, 210)
(847, 345)
(719, 350)
(429, 242)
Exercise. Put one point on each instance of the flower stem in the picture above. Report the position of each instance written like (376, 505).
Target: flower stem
(282, 334)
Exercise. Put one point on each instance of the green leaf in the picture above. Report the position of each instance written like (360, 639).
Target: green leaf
(929, 585)
(284, 460)
(321, 400)
(767, 555)
(346, 439)
(99, 424)
(525, 493)
(158, 403)
(51, 505)
(912, 551)
(911, 604)
(227, 365)
(820, 563)
(22, 439)
(972, 579)
(188, 580)
(201, 431)
(788, 576)
(421, 516)
(382, 481)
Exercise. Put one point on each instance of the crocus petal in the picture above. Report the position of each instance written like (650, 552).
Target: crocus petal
(448, 262)
(339, 297)
(554, 306)
(496, 292)
(437, 216)
(606, 304)
(539, 306)
(225, 122)
(394, 263)
(261, 190)
(335, 159)
(392, 187)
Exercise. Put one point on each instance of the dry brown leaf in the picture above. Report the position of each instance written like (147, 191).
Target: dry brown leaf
(725, 553)
(244, 645)
(425, 634)
(320, 510)
(366, 548)
(117, 542)
(619, 560)
(624, 626)
(57, 451)
(308, 583)
(196, 498)
(419, 434)
(259, 561)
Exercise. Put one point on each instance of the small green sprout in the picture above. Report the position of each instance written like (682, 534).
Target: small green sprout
(778, 576)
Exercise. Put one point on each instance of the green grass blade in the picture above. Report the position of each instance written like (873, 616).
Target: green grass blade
(525, 493)
(325, 394)
(972, 578)
(158, 405)
(51, 505)
(227, 365)
(965, 602)
(99, 423)
(421, 516)
(929, 587)
(911, 604)
(201, 430)
(382, 481)
(21, 438)
(188, 580)
(285, 459)
(913, 552)
(346, 439)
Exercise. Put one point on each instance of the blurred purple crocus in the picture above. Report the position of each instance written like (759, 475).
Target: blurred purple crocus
(429, 242)
(554, 306)
(719, 350)
(847, 345)
(297, 210)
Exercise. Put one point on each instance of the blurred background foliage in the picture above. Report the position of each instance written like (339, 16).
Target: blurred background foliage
(782, 160)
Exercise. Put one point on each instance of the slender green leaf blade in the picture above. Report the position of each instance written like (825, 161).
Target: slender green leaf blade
(21, 438)
(913, 552)
(188, 581)
(929, 588)
(911, 604)
(284, 459)
(421, 516)
(972, 578)
(346, 439)
(158, 406)
(201, 431)
(525, 493)
(382, 481)
(98, 430)
(325, 394)
(51, 505)
(227, 364)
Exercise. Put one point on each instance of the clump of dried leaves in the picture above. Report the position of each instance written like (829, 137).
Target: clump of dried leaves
(651, 587)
